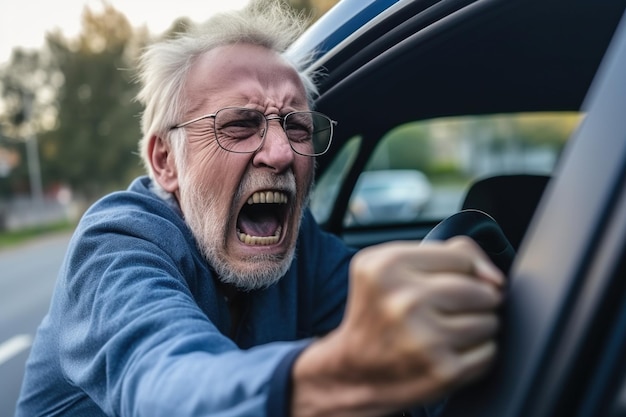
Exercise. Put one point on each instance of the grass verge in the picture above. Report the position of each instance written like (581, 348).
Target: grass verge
(15, 237)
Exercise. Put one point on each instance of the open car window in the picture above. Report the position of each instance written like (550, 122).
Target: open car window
(420, 171)
(328, 185)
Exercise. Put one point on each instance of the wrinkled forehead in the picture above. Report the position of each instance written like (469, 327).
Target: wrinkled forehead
(245, 71)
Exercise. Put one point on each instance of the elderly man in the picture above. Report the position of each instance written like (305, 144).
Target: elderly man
(207, 289)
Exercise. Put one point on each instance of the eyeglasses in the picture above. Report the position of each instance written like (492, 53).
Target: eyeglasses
(242, 130)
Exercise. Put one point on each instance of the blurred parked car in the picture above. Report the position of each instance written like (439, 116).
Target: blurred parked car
(388, 196)
(516, 108)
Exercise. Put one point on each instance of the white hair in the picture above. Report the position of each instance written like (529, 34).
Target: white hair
(164, 66)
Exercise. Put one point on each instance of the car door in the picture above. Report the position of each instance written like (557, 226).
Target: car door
(564, 330)
(564, 323)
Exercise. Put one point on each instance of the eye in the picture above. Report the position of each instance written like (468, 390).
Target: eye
(238, 124)
(239, 129)
(299, 127)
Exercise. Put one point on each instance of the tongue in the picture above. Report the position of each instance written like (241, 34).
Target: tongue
(258, 222)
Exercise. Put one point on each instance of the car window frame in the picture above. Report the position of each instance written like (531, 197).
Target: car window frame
(568, 267)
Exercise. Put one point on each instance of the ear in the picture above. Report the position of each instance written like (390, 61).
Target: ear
(163, 164)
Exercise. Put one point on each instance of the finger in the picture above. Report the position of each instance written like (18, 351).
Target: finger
(459, 254)
(453, 294)
(467, 331)
(476, 361)
(455, 369)
(481, 265)
(485, 270)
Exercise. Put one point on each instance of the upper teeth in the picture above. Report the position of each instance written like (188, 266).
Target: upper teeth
(268, 197)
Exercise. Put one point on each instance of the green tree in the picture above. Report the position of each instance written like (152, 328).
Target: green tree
(83, 110)
(27, 87)
(405, 147)
(93, 146)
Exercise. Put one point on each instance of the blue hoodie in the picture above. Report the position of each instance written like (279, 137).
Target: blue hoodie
(137, 327)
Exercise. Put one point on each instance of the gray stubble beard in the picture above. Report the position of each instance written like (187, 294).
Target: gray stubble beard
(201, 215)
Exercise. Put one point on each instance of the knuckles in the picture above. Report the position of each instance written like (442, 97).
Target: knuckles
(401, 326)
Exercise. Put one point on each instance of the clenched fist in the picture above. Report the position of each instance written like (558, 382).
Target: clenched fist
(420, 321)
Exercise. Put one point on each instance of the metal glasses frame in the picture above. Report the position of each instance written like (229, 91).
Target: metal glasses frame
(332, 124)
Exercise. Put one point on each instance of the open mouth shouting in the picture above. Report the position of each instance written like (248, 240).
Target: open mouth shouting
(262, 219)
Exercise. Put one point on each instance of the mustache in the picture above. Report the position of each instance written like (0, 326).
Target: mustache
(266, 181)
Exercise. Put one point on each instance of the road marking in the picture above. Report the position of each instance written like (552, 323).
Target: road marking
(14, 346)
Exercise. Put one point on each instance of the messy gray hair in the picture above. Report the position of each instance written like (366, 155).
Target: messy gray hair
(164, 66)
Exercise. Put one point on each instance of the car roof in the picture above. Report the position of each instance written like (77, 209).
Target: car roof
(428, 59)
(334, 27)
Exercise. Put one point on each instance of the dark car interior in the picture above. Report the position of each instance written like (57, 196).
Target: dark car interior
(510, 199)
(566, 318)
(439, 59)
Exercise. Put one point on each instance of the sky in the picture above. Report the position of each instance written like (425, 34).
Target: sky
(24, 23)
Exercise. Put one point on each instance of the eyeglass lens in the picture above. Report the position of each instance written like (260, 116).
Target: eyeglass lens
(242, 130)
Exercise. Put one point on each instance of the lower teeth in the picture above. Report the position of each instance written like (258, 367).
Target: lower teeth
(259, 240)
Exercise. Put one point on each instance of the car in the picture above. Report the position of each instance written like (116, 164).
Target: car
(513, 108)
(381, 196)
(388, 195)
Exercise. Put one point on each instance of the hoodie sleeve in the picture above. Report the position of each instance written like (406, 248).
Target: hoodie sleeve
(131, 336)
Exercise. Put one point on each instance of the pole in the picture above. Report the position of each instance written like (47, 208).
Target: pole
(34, 170)
(32, 152)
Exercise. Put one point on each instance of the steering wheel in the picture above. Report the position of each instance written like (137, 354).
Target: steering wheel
(487, 233)
(483, 229)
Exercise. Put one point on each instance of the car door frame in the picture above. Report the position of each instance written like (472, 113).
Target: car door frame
(564, 322)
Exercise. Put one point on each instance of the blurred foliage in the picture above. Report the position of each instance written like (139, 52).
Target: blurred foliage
(27, 89)
(77, 96)
(405, 147)
(94, 143)
(316, 8)
(459, 148)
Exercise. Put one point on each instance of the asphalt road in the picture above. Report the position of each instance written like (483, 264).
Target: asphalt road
(27, 276)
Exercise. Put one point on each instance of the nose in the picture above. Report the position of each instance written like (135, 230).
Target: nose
(275, 153)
